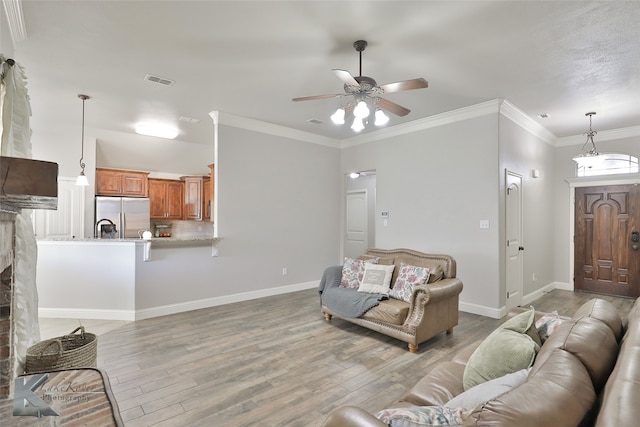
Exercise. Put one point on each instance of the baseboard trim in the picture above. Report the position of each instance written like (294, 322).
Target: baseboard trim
(527, 299)
(164, 310)
(80, 313)
(482, 310)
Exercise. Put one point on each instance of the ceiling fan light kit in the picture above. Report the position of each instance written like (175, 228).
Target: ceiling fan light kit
(367, 96)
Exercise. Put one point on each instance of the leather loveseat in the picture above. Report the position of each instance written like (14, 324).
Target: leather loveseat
(432, 309)
(572, 381)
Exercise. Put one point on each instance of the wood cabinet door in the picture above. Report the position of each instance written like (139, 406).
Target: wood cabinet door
(193, 198)
(134, 184)
(108, 183)
(207, 201)
(175, 199)
(157, 198)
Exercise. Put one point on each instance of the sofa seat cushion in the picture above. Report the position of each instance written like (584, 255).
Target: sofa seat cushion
(390, 311)
(439, 386)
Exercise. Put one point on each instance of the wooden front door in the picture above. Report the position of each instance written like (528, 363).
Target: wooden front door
(607, 255)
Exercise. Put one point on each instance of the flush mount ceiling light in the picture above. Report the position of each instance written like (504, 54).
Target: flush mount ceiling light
(367, 96)
(82, 178)
(589, 156)
(158, 130)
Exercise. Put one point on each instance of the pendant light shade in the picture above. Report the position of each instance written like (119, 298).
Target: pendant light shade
(82, 178)
(589, 157)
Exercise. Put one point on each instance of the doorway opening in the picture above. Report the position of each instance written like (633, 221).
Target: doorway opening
(359, 220)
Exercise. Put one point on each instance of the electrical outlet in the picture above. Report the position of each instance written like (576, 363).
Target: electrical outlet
(284, 271)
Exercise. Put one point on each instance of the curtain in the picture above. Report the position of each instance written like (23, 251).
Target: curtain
(16, 142)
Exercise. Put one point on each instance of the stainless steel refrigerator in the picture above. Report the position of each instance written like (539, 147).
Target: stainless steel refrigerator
(129, 214)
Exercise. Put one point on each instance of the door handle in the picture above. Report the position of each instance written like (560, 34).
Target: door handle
(521, 248)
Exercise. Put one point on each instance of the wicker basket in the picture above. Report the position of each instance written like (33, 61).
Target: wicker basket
(69, 351)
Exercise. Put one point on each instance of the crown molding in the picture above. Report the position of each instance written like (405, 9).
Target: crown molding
(15, 19)
(520, 118)
(604, 135)
(233, 120)
(459, 115)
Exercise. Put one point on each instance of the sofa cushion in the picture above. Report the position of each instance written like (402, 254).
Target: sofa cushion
(409, 276)
(422, 416)
(376, 278)
(559, 394)
(511, 347)
(391, 311)
(352, 271)
(591, 341)
(439, 386)
(603, 311)
(486, 391)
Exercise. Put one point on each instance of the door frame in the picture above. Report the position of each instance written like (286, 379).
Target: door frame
(588, 182)
(521, 235)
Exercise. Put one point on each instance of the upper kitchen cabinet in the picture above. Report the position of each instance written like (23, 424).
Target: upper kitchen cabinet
(114, 182)
(166, 198)
(193, 196)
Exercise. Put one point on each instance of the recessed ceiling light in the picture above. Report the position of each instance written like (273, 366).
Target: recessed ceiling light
(158, 130)
(543, 115)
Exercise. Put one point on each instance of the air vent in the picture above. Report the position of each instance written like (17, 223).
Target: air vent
(188, 119)
(160, 80)
(543, 116)
(315, 121)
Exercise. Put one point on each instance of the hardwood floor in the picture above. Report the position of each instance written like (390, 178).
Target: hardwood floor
(274, 362)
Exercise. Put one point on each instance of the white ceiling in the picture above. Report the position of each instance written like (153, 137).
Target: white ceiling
(563, 58)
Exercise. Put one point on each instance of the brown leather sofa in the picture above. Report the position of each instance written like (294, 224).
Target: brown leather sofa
(572, 382)
(433, 308)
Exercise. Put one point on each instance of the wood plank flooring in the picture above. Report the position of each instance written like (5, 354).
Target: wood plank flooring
(273, 362)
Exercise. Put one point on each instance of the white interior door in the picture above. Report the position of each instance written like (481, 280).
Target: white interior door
(514, 262)
(67, 221)
(356, 240)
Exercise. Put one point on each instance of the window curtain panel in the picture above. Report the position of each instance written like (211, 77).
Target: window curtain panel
(16, 142)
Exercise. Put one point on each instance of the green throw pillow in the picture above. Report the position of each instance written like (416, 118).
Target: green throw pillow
(511, 347)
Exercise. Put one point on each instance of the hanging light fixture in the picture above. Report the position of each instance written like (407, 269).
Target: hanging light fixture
(82, 178)
(589, 156)
(381, 118)
(338, 116)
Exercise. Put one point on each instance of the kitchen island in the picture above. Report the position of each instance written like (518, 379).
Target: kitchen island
(109, 278)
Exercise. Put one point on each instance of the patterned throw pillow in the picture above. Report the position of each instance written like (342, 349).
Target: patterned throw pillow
(352, 272)
(409, 276)
(547, 324)
(422, 416)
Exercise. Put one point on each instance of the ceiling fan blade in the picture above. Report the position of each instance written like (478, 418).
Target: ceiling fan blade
(405, 85)
(346, 77)
(392, 107)
(309, 98)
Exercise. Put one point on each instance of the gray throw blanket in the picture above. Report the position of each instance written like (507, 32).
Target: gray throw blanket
(345, 302)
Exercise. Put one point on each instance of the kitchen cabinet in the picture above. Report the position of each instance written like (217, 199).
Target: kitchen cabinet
(166, 198)
(115, 182)
(208, 195)
(193, 186)
(207, 201)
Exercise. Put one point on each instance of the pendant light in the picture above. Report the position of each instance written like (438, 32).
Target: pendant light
(591, 157)
(82, 178)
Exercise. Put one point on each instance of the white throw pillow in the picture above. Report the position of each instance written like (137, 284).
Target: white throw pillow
(376, 279)
(488, 390)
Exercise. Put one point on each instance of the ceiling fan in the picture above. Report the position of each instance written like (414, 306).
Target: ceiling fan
(366, 92)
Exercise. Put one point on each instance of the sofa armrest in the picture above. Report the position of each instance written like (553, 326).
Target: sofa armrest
(346, 416)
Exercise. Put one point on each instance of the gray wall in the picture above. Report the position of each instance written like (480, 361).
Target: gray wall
(520, 152)
(437, 184)
(279, 207)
